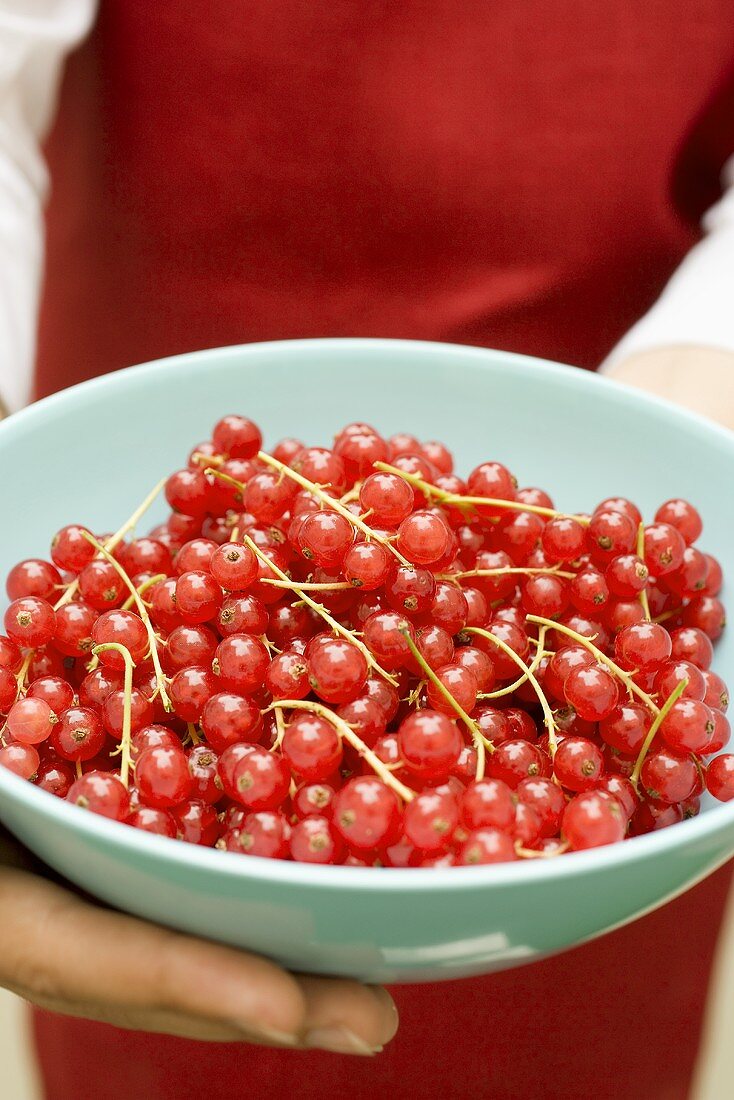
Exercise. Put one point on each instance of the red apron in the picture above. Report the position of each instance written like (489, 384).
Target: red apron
(523, 175)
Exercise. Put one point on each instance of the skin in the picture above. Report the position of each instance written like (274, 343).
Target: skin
(63, 952)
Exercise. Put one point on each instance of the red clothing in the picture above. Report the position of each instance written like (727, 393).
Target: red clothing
(492, 173)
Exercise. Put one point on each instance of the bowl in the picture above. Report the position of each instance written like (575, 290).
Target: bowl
(91, 454)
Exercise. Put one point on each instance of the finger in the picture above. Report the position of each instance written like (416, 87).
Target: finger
(348, 1017)
(60, 950)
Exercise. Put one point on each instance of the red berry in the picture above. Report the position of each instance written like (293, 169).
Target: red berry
(430, 821)
(337, 670)
(30, 622)
(578, 764)
(644, 646)
(315, 840)
(423, 537)
(592, 692)
(79, 734)
(261, 780)
(22, 760)
(122, 628)
(101, 793)
(625, 728)
(34, 577)
(688, 727)
(429, 743)
(71, 550)
(486, 846)
(683, 516)
(387, 497)
(366, 813)
(30, 721)
(720, 777)
(312, 747)
(488, 802)
(516, 760)
(241, 662)
(236, 437)
(228, 719)
(664, 549)
(592, 819)
(264, 834)
(668, 777)
(152, 820)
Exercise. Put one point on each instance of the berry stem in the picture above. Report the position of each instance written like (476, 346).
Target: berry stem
(641, 554)
(530, 853)
(126, 738)
(143, 613)
(193, 735)
(626, 679)
(532, 667)
(480, 742)
(280, 727)
(550, 723)
(114, 540)
(458, 501)
(331, 502)
(320, 610)
(346, 731)
(505, 572)
(311, 586)
(22, 674)
(142, 589)
(659, 719)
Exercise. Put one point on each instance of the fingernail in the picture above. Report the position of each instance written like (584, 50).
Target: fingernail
(339, 1040)
(271, 1035)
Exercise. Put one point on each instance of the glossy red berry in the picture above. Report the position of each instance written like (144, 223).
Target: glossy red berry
(486, 846)
(312, 747)
(720, 777)
(314, 839)
(366, 813)
(261, 780)
(431, 820)
(423, 537)
(101, 793)
(592, 819)
(30, 621)
(668, 777)
(337, 670)
(429, 743)
(578, 764)
(592, 692)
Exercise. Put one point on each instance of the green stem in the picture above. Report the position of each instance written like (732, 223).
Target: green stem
(532, 667)
(479, 741)
(320, 610)
(143, 613)
(126, 739)
(626, 679)
(659, 719)
(346, 731)
(550, 723)
(459, 501)
(114, 540)
(641, 555)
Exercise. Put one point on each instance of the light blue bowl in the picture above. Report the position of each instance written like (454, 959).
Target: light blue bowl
(91, 454)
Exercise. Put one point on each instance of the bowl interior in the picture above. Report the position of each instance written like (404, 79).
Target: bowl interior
(91, 454)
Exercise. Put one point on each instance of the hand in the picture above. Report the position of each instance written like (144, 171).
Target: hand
(701, 379)
(64, 953)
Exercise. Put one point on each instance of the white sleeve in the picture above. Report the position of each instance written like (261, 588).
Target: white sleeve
(35, 36)
(697, 305)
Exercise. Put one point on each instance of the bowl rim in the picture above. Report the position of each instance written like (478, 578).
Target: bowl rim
(316, 876)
